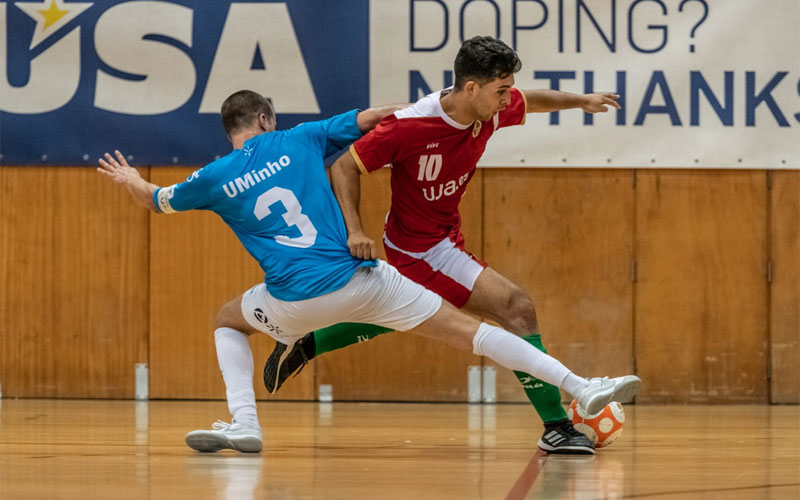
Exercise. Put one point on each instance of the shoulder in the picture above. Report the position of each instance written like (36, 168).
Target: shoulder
(427, 107)
(346, 118)
(305, 131)
(518, 98)
(213, 170)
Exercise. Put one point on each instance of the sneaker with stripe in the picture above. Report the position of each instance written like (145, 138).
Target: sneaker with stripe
(561, 437)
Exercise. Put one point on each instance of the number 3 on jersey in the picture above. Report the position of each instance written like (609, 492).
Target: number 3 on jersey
(292, 217)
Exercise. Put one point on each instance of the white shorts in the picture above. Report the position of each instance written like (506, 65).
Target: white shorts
(375, 295)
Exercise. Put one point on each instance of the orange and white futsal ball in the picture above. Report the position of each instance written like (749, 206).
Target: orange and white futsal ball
(603, 428)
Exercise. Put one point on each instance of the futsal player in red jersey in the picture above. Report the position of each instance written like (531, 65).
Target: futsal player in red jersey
(433, 148)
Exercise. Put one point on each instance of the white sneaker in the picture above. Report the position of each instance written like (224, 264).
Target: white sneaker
(602, 391)
(234, 436)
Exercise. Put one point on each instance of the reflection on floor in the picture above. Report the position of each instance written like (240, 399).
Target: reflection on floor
(124, 449)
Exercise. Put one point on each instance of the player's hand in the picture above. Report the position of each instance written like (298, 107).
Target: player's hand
(362, 246)
(596, 103)
(117, 168)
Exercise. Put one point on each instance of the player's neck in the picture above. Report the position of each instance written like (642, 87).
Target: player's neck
(455, 106)
(238, 139)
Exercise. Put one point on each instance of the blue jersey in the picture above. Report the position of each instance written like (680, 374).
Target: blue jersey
(275, 195)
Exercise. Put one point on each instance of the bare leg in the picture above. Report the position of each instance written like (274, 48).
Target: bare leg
(498, 298)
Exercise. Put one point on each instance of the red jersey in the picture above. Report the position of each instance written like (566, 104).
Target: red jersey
(432, 159)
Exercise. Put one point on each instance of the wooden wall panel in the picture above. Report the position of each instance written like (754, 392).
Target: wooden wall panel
(701, 295)
(785, 299)
(401, 366)
(73, 284)
(197, 265)
(565, 236)
(81, 290)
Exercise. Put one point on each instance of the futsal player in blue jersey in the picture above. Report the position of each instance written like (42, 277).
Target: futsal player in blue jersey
(273, 192)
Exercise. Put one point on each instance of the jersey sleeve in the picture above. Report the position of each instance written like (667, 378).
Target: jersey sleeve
(378, 147)
(514, 114)
(335, 133)
(342, 131)
(193, 193)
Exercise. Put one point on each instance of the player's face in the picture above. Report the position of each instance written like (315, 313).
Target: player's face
(493, 97)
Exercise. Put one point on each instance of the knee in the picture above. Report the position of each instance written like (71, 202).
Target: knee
(226, 316)
(521, 312)
(220, 321)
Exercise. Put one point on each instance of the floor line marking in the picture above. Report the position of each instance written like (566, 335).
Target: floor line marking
(528, 476)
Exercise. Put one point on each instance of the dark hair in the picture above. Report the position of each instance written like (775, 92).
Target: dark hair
(484, 58)
(242, 108)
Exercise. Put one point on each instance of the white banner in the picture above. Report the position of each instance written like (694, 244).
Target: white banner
(704, 83)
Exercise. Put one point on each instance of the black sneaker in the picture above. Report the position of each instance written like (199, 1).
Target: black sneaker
(561, 437)
(286, 360)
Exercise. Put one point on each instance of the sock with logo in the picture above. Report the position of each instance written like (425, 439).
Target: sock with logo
(546, 398)
(236, 363)
(342, 335)
(510, 351)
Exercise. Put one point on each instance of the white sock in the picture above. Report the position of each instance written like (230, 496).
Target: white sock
(574, 384)
(236, 363)
(512, 352)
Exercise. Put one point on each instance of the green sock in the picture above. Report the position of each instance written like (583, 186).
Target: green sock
(545, 398)
(344, 334)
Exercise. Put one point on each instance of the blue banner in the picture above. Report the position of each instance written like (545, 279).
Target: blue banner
(148, 77)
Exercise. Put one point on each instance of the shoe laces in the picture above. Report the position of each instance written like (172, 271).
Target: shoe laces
(565, 427)
(601, 381)
(570, 430)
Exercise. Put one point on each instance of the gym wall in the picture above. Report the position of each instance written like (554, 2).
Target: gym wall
(689, 277)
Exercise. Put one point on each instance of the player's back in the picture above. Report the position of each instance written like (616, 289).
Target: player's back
(275, 195)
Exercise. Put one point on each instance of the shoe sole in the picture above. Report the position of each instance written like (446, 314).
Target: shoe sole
(565, 450)
(623, 391)
(626, 389)
(281, 360)
(208, 443)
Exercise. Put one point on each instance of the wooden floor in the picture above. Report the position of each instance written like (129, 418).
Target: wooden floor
(76, 449)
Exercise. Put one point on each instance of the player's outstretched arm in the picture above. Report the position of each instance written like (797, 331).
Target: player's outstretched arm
(370, 118)
(545, 101)
(117, 169)
(346, 182)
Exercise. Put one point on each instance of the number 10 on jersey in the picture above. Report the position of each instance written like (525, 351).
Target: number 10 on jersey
(429, 167)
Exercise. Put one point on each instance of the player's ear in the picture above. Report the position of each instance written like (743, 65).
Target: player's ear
(471, 87)
(265, 123)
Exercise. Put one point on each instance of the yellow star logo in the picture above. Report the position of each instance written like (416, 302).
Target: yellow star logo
(52, 14)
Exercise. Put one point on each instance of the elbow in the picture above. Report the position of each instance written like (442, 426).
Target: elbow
(367, 120)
